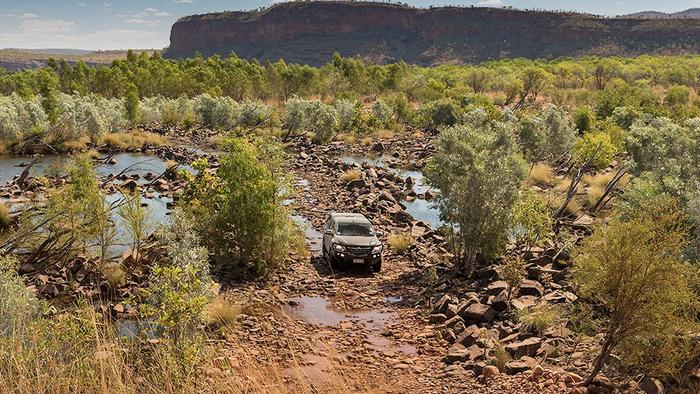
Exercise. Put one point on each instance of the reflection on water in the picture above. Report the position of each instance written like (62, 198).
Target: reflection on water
(313, 237)
(420, 209)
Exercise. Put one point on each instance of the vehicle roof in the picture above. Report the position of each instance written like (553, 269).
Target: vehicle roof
(349, 217)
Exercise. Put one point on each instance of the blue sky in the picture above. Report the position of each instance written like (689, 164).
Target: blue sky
(119, 24)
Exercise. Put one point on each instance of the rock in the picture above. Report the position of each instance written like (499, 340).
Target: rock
(378, 147)
(651, 386)
(442, 303)
(479, 312)
(583, 221)
(490, 372)
(451, 311)
(579, 390)
(469, 336)
(356, 184)
(499, 302)
(517, 366)
(437, 318)
(497, 287)
(131, 185)
(403, 217)
(527, 347)
(451, 322)
(385, 196)
(531, 288)
(524, 302)
(456, 353)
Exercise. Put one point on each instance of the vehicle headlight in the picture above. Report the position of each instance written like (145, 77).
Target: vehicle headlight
(377, 249)
(339, 248)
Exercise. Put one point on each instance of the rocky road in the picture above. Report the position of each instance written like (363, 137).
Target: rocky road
(374, 328)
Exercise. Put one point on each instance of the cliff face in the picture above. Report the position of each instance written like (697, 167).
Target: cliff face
(310, 32)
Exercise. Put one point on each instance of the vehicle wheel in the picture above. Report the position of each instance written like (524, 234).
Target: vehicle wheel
(377, 267)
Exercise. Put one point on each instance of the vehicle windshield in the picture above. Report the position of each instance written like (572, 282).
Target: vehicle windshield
(354, 229)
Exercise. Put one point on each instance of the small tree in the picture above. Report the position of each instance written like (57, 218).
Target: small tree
(135, 216)
(478, 171)
(532, 220)
(633, 271)
(512, 271)
(132, 106)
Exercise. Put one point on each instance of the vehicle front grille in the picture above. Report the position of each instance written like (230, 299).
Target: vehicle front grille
(359, 250)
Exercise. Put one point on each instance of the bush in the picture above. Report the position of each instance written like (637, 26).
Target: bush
(383, 113)
(633, 270)
(512, 271)
(18, 305)
(132, 140)
(597, 143)
(238, 211)
(532, 137)
(478, 172)
(220, 113)
(532, 220)
(560, 132)
(321, 120)
(443, 112)
(400, 243)
(180, 289)
(583, 119)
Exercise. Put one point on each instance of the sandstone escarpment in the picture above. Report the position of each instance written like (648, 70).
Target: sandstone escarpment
(310, 32)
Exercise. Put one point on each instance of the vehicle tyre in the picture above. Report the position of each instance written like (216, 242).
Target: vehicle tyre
(377, 267)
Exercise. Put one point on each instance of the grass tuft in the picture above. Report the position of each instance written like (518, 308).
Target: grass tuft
(4, 216)
(221, 314)
(350, 175)
(399, 242)
(539, 317)
(114, 275)
(132, 140)
(540, 175)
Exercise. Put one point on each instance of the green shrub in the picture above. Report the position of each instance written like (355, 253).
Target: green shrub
(597, 143)
(239, 212)
(633, 270)
(443, 112)
(532, 220)
(583, 119)
(478, 171)
(18, 305)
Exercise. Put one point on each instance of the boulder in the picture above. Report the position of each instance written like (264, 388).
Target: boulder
(479, 312)
(456, 353)
(469, 336)
(356, 184)
(437, 318)
(527, 347)
(531, 288)
(490, 372)
(651, 386)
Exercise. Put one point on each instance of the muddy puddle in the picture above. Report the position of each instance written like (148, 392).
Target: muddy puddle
(373, 323)
(314, 239)
(420, 209)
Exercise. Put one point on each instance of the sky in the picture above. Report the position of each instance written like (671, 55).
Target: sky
(142, 24)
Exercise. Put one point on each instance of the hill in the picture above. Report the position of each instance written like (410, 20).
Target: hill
(14, 59)
(689, 13)
(310, 32)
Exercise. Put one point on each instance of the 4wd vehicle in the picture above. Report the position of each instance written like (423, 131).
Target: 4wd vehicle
(349, 239)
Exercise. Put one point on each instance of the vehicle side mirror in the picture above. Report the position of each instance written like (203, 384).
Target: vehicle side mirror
(379, 233)
(328, 231)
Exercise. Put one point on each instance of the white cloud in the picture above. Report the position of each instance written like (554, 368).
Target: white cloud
(26, 15)
(140, 21)
(81, 4)
(46, 26)
(491, 3)
(102, 39)
(183, 1)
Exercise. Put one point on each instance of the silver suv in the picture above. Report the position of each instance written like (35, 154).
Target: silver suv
(350, 239)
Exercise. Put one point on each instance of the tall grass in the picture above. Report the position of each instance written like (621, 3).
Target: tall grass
(82, 353)
(131, 140)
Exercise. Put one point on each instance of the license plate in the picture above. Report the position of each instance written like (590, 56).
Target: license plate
(358, 261)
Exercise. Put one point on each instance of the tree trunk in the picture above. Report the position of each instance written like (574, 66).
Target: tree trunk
(601, 359)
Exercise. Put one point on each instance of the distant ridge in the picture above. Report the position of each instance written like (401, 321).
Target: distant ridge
(689, 13)
(310, 32)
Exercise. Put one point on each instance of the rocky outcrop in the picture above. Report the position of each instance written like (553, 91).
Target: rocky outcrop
(310, 32)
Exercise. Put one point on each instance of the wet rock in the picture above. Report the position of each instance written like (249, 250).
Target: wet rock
(378, 147)
(479, 312)
(130, 185)
(527, 347)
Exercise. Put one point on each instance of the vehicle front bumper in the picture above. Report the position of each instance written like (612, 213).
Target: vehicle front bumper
(349, 259)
